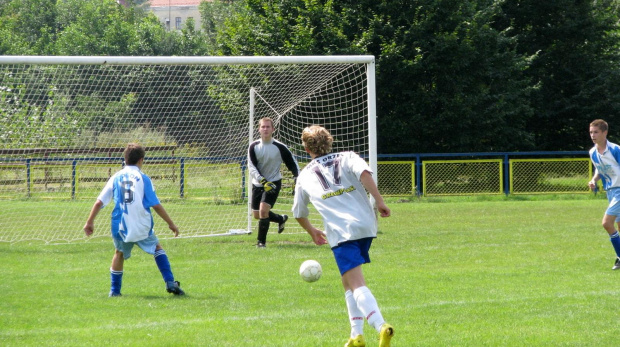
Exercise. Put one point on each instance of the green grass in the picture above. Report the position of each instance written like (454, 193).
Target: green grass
(446, 272)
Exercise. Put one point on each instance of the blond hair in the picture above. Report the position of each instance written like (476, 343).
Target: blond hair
(267, 119)
(317, 140)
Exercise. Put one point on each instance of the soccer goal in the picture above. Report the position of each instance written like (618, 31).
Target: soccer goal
(66, 120)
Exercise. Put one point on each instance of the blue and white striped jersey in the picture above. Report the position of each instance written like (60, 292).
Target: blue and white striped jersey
(134, 195)
(607, 165)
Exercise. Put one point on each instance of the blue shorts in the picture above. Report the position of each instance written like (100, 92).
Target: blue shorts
(148, 245)
(352, 254)
(613, 195)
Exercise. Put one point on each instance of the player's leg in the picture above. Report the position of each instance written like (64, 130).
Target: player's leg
(257, 193)
(163, 264)
(122, 251)
(610, 219)
(367, 304)
(356, 318)
(151, 246)
(363, 297)
(271, 200)
(349, 257)
(280, 219)
(263, 225)
(116, 273)
(268, 199)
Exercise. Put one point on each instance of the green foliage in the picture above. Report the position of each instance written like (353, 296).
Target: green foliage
(27, 27)
(51, 123)
(474, 75)
(451, 76)
(97, 28)
(90, 27)
(449, 81)
(301, 27)
(575, 66)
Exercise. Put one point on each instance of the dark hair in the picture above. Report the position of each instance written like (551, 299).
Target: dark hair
(133, 153)
(601, 124)
(317, 140)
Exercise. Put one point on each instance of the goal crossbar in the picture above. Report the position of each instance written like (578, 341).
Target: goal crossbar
(132, 60)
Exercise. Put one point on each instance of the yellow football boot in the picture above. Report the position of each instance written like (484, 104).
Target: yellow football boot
(357, 341)
(387, 331)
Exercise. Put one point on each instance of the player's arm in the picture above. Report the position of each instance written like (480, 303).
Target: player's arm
(253, 164)
(595, 178)
(318, 236)
(161, 211)
(371, 187)
(89, 227)
(289, 160)
(291, 163)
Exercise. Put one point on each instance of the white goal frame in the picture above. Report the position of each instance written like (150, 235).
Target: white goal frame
(103, 220)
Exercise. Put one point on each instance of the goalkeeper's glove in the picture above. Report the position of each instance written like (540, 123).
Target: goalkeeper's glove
(269, 186)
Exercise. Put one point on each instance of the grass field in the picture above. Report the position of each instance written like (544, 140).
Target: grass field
(451, 273)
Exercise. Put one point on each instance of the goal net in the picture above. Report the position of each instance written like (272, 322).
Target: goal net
(66, 120)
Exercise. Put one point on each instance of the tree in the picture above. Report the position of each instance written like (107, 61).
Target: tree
(446, 79)
(574, 46)
(254, 27)
(27, 27)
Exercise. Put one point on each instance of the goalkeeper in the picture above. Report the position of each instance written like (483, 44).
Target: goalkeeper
(265, 156)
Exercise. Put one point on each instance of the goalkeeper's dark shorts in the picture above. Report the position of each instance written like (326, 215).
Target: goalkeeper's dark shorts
(260, 195)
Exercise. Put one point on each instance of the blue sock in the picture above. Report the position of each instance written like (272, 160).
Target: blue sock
(164, 265)
(116, 280)
(615, 241)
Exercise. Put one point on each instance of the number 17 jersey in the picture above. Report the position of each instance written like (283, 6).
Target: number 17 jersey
(332, 184)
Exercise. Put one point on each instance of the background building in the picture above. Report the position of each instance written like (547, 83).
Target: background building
(175, 13)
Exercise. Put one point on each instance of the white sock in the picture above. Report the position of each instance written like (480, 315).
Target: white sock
(356, 317)
(368, 305)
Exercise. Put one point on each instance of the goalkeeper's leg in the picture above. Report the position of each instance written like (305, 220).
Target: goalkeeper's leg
(263, 228)
(276, 218)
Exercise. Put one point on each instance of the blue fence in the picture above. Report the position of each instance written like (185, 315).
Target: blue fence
(422, 174)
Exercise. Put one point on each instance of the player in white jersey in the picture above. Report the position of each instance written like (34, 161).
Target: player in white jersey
(132, 223)
(336, 185)
(605, 157)
(265, 156)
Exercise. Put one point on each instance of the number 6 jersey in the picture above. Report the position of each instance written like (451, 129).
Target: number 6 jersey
(133, 195)
(332, 184)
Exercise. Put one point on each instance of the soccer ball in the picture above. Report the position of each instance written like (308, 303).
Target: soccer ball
(310, 270)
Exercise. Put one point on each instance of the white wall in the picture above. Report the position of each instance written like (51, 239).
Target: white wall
(174, 12)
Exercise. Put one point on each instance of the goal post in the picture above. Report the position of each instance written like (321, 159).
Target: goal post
(66, 121)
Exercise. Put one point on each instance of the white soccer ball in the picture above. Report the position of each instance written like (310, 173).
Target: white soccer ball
(310, 270)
